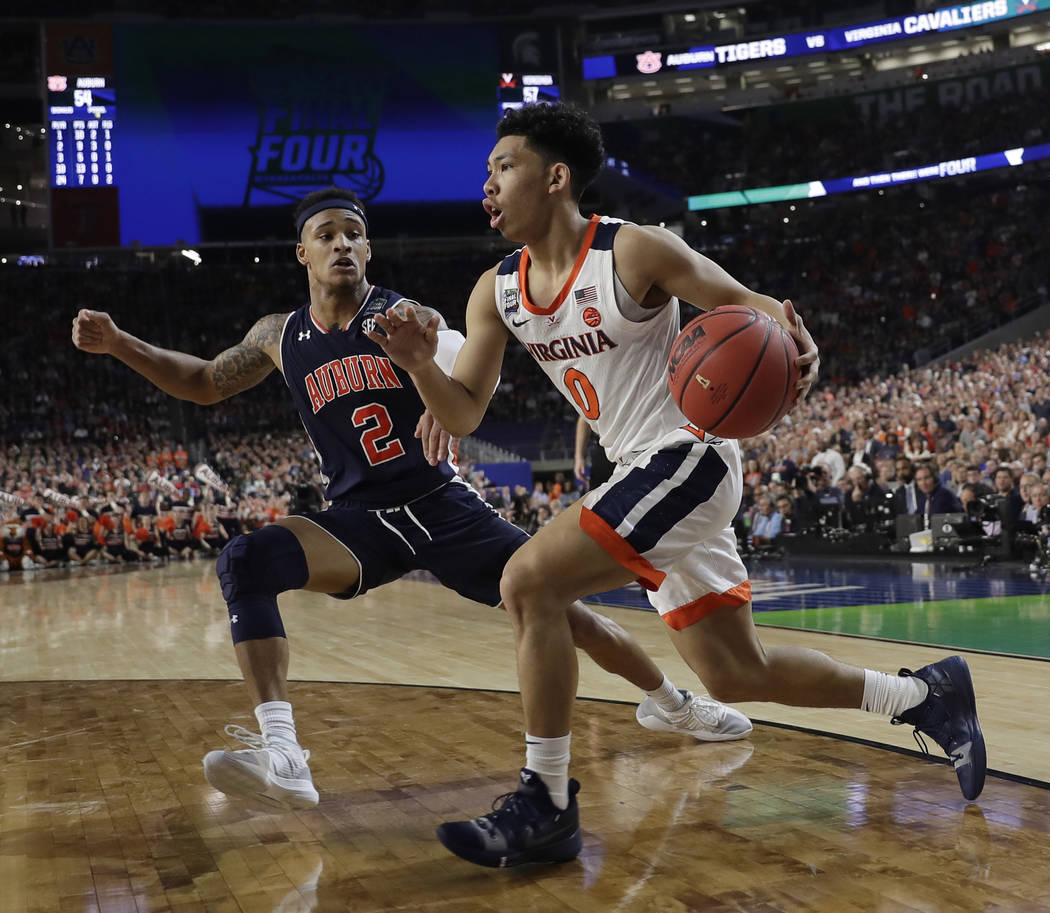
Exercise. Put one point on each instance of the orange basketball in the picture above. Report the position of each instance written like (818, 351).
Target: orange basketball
(732, 371)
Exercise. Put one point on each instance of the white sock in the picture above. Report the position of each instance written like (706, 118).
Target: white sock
(278, 726)
(550, 759)
(891, 695)
(667, 696)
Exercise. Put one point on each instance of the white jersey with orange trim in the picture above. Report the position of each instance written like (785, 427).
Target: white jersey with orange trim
(602, 350)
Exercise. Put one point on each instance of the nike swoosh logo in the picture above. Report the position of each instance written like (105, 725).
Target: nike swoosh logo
(521, 323)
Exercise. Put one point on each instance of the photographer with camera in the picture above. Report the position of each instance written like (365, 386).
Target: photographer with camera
(867, 505)
(972, 504)
(831, 460)
(820, 501)
(974, 478)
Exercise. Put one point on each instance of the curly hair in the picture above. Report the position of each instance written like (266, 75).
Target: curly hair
(559, 133)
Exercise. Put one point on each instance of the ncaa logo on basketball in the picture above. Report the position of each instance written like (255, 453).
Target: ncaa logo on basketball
(685, 343)
(649, 62)
(592, 317)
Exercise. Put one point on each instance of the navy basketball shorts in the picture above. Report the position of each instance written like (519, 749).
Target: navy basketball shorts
(451, 532)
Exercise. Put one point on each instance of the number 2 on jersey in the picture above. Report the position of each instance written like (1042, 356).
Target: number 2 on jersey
(582, 392)
(376, 450)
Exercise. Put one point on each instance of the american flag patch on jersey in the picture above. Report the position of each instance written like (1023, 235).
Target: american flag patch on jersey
(586, 295)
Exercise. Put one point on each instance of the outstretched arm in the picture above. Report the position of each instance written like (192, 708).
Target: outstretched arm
(177, 373)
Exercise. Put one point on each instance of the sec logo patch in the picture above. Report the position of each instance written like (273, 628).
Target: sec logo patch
(592, 317)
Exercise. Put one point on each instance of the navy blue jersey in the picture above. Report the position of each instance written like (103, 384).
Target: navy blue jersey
(359, 409)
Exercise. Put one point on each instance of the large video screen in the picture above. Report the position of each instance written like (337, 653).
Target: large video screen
(216, 118)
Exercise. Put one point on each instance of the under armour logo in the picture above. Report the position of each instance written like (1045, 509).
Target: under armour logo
(233, 619)
(304, 335)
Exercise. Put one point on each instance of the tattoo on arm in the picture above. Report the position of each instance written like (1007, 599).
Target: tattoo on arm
(252, 359)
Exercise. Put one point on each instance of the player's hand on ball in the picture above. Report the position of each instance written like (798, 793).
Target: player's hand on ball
(94, 331)
(433, 437)
(409, 344)
(808, 360)
(423, 314)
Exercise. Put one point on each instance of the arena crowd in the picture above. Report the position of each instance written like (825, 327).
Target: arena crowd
(969, 437)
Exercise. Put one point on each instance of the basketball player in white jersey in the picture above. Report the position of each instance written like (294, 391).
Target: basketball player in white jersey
(595, 303)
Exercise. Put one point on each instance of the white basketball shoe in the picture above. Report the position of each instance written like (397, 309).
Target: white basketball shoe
(701, 717)
(269, 773)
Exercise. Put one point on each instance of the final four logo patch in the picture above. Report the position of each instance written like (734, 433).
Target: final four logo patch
(510, 301)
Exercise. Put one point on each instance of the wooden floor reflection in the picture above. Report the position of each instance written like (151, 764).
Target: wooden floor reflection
(105, 809)
(114, 685)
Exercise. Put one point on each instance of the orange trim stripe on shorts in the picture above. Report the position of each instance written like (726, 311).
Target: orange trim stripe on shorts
(692, 612)
(620, 549)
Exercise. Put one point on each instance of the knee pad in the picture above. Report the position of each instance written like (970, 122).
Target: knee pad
(252, 570)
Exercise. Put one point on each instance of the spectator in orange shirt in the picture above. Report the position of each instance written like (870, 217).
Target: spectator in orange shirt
(164, 525)
(143, 541)
(210, 532)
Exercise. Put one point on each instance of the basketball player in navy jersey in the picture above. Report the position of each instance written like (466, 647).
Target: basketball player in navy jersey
(392, 509)
(595, 303)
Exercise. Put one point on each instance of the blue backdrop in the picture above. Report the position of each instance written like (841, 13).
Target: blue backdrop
(215, 117)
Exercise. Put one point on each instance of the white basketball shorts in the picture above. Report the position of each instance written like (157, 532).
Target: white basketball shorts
(667, 517)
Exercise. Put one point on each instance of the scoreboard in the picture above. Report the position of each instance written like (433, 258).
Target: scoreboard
(217, 124)
(517, 89)
(82, 112)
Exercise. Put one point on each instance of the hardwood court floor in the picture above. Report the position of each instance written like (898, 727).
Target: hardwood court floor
(114, 684)
(170, 622)
(105, 809)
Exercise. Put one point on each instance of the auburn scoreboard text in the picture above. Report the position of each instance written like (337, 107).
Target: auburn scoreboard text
(82, 111)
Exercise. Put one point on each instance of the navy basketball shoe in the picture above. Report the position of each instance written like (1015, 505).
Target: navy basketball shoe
(526, 827)
(949, 717)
